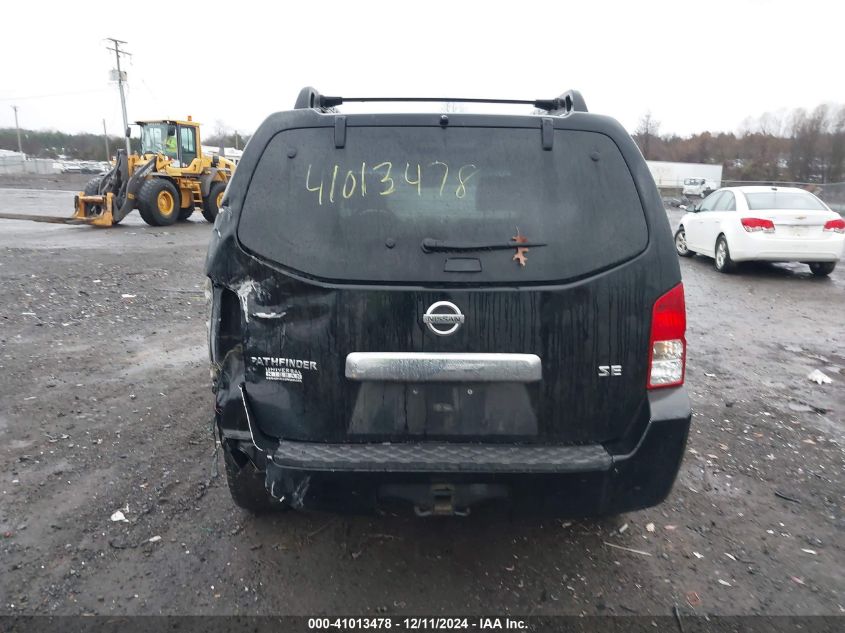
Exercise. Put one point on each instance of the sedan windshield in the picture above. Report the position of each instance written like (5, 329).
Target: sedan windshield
(798, 200)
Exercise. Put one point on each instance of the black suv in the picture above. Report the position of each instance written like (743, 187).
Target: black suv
(446, 310)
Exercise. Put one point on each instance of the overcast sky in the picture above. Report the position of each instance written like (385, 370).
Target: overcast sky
(694, 65)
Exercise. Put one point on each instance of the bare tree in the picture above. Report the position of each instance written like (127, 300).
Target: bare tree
(836, 162)
(806, 159)
(224, 136)
(220, 128)
(758, 153)
(646, 133)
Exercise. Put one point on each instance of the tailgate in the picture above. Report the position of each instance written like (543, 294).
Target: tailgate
(341, 234)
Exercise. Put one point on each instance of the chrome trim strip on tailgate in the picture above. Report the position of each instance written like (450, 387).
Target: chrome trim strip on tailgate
(430, 367)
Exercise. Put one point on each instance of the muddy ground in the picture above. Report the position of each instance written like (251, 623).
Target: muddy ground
(105, 406)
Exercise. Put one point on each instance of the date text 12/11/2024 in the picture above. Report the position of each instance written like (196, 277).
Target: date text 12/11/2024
(418, 623)
(346, 183)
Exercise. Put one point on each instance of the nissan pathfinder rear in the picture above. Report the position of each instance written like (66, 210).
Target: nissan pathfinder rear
(446, 310)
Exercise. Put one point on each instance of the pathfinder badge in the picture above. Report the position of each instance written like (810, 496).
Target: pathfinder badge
(284, 369)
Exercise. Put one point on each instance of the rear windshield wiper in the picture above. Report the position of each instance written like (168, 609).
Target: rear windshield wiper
(431, 245)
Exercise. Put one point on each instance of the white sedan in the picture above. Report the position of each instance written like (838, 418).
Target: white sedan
(773, 224)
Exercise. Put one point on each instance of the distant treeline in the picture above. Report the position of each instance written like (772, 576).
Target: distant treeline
(52, 144)
(227, 139)
(794, 146)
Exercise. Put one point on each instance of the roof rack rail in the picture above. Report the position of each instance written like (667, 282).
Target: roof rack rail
(569, 101)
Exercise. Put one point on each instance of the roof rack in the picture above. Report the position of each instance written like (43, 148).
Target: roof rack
(569, 101)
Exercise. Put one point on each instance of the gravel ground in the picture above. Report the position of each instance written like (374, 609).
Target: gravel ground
(105, 406)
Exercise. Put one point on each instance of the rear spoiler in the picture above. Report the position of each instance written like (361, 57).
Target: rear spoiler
(569, 101)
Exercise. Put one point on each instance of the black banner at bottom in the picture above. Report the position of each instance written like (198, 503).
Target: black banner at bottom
(295, 624)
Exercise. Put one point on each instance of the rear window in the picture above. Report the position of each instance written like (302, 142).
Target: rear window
(360, 213)
(784, 200)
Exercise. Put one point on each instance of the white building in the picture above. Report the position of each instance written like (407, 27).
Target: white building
(231, 153)
(672, 175)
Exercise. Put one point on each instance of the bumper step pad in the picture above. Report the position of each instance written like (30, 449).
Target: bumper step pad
(431, 457)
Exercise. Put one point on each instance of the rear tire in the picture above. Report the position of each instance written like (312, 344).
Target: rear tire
(211, 204)
(681, 243)
(723, 261)
(158, 202)
(822, 269)
(246, 483)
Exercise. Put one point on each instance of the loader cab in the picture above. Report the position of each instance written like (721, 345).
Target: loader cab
(178, 140)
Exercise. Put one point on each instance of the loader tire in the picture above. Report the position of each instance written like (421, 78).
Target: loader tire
(158, 202)
(211, 204)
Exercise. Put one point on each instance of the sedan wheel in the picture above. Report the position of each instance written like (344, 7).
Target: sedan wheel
(822, 269)
(724, 263)
(681, 243)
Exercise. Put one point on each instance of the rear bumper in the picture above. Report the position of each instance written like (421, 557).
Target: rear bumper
(565, 481)
(763, 247)
(786, 256)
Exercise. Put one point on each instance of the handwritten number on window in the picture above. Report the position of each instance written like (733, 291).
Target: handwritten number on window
(345, 182)
(386, 178)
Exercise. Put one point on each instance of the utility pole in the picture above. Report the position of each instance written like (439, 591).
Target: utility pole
(106, 139)
(117, 54)
(18, 129)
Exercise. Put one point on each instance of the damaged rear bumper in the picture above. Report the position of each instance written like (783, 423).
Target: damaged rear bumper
(444, 478)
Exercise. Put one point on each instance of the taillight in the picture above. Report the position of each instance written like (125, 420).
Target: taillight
(837, 226)
(753, 225)
(668, 346)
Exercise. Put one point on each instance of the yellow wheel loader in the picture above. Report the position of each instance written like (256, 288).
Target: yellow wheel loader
(166, 182)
